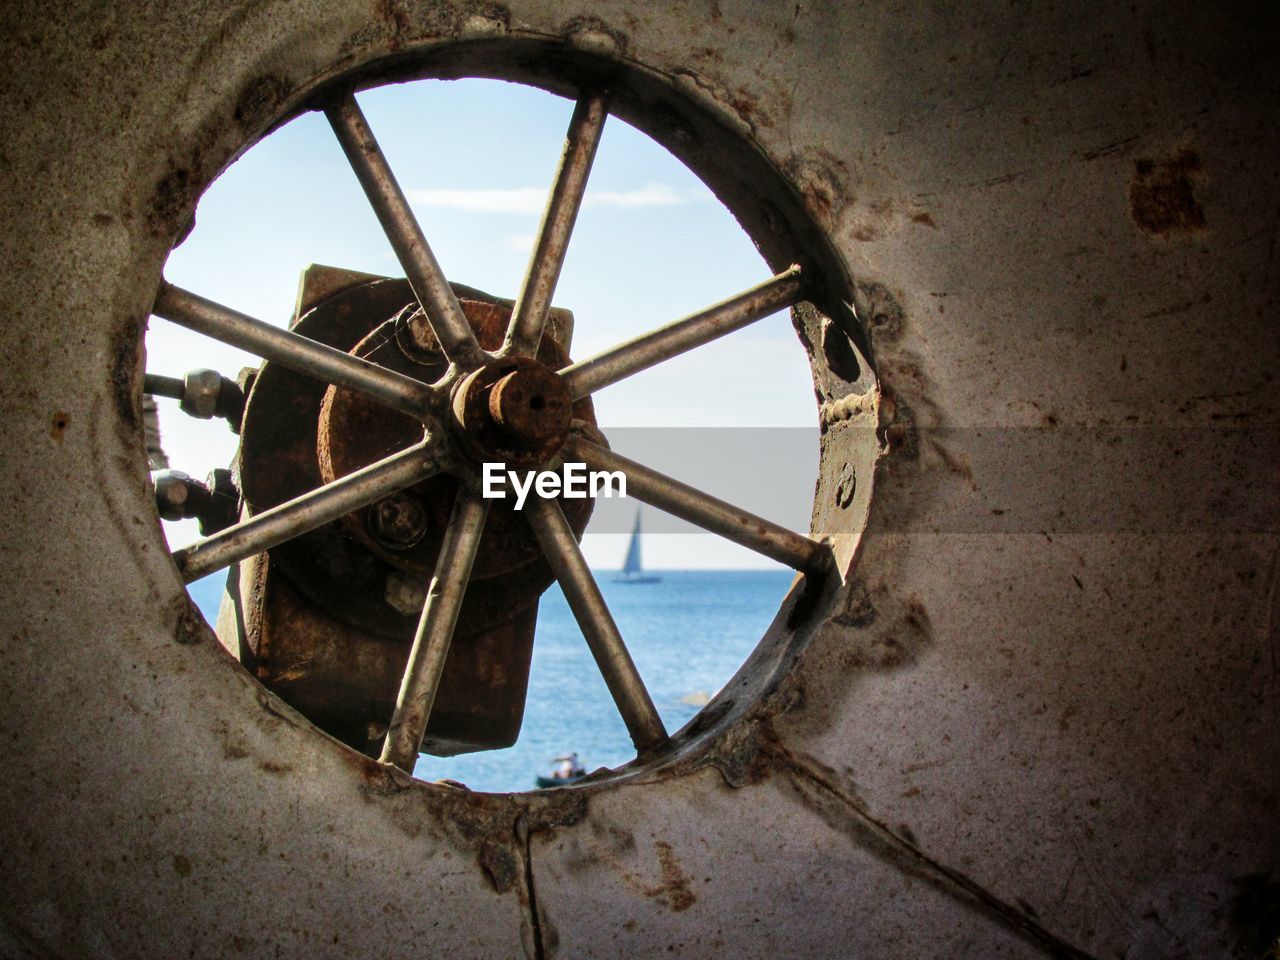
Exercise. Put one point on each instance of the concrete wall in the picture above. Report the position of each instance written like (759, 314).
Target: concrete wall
(1041, 717)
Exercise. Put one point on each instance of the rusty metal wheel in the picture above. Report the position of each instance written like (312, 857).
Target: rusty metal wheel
(405, 389)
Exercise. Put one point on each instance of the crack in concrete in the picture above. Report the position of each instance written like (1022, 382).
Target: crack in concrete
(531, 892)
(806, 773)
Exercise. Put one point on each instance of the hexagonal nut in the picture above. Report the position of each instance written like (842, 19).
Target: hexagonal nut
(172, 493)
(404, 595)
(200, 393)
(399, 521)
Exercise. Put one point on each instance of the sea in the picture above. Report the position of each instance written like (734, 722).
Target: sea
(688, 633)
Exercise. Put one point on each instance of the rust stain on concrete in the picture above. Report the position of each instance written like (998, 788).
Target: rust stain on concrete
(675, 884)
(1162, 199)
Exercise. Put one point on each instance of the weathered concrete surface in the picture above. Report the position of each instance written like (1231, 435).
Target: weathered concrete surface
(1064, 680)
(701, 871)
(1021, 731)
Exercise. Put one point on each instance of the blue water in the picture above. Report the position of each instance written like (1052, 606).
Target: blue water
(688, 634)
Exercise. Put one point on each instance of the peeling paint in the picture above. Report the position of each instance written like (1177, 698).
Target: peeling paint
(821, 177)
(189, 626)
(593, 35)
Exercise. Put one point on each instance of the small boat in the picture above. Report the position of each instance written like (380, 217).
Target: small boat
(545, 783)
(570, 771)
(632, 571)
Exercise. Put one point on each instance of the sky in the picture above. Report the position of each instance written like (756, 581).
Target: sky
(475, 158)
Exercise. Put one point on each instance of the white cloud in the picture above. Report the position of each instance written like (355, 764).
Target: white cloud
(521, 200)
(650, 195)
(520, 242)
(533, 199)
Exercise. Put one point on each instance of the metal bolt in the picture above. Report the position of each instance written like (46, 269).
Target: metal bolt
(204, 394)
(399, 521)
(405, 595)
(173, 494)
(216, 503)
(200, 393)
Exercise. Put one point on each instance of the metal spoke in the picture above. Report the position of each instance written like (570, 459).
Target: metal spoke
(706, 511)
(302, 514)
(530, 314)
(620, 675)
(588, 376)
(435, 631)
(437, 298)
(291, 350)
(158, 386)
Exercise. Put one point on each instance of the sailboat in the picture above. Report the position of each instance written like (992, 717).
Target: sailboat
(632, 571)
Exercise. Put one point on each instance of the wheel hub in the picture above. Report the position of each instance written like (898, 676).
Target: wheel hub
(492, 418)
(513, 410)
(340, 603)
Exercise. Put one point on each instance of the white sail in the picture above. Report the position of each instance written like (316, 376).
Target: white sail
(631, 566)
(632, 569)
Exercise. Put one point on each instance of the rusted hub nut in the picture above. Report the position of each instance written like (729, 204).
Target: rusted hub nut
(398, 522)
(531, 406)
(516, 410)
(353, 431)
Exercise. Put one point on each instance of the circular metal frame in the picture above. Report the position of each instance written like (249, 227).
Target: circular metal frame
(463, 410)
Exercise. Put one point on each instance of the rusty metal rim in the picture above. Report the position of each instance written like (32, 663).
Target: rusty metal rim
(667, 107)
(593, 74)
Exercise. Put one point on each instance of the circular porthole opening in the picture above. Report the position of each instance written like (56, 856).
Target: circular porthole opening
(435, 325)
